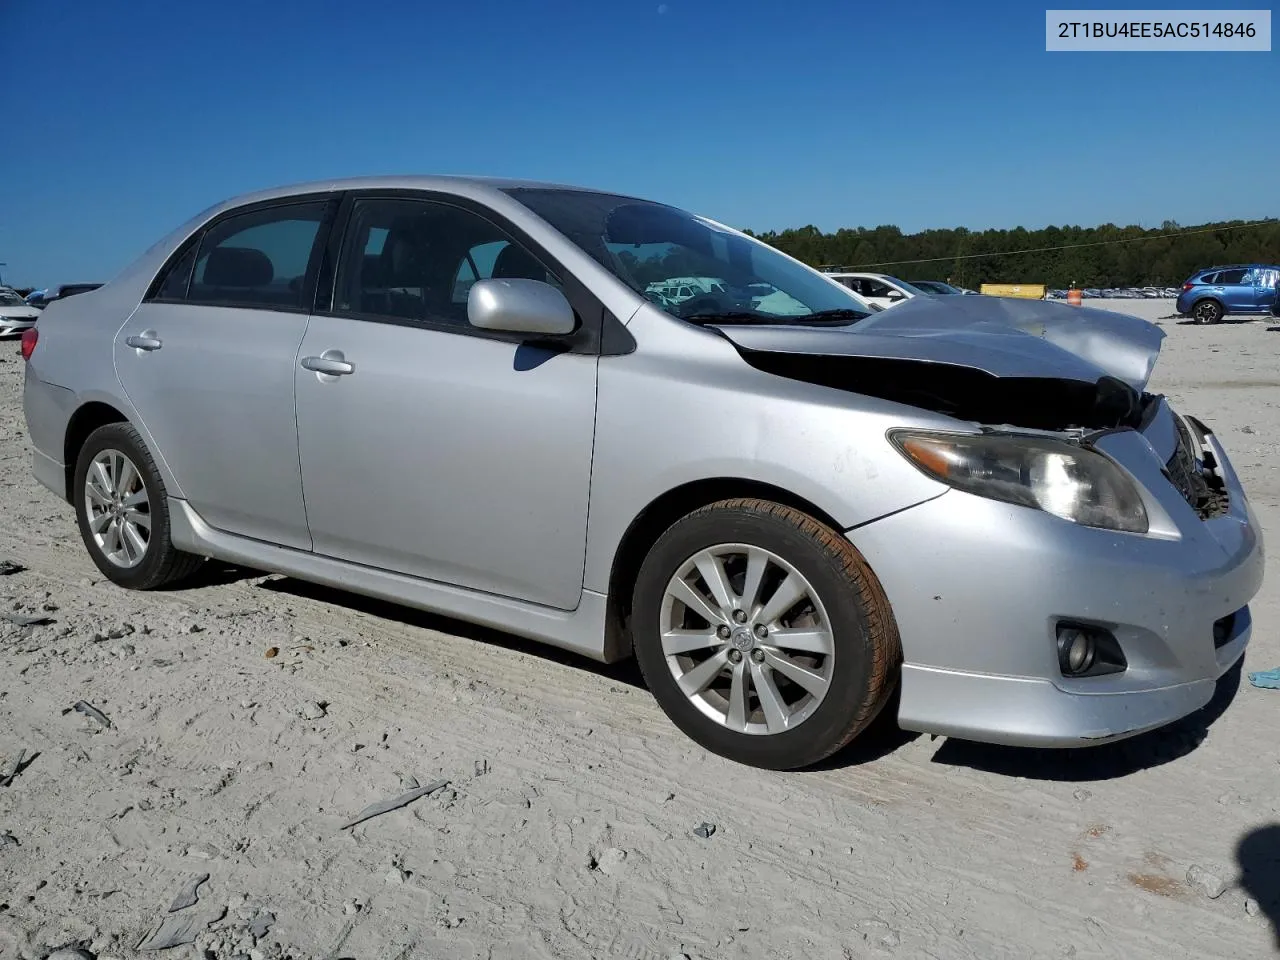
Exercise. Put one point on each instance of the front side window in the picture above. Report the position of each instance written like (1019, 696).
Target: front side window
(1231, 276)
(415, 260)
(651, 247)
(256, 259)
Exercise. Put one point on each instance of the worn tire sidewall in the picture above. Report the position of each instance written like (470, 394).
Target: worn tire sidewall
(828, 727)
(1218, 312)
(122, 437)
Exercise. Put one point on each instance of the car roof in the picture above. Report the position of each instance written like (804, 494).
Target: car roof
(443, 182)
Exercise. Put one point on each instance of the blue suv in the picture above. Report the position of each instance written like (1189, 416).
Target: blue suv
(1240, 288)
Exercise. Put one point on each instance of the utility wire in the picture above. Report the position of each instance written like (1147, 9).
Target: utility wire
(1066, 246)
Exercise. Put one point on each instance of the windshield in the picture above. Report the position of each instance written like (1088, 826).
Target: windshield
(10, 299)
(909, 288)
(690, 267)
(935, 286)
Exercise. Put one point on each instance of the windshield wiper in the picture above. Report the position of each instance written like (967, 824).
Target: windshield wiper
(836, 317)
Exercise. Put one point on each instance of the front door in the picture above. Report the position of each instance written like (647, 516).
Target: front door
(429, 447)
(208, 362)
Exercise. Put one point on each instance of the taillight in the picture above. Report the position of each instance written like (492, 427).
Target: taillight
(1188, 285)
(29, 338)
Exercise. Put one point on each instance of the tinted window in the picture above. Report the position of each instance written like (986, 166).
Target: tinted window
(1230, 276)
(1209, 278)
(874, 288)
(174, 284)
(427, 256)
(259, 258)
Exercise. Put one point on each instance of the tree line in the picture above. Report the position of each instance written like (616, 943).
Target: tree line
(1146, 258)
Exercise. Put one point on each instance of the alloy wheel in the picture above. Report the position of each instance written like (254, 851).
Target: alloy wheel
(747, 639)
(118, 508)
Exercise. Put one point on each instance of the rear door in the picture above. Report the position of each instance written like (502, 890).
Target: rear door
(208, 362)
(1236, 289)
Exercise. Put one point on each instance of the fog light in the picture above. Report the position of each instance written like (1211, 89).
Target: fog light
(1088, 651)
(1075, 651)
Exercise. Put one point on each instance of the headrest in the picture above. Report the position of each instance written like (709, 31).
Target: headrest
(238, 267)
(515, 263)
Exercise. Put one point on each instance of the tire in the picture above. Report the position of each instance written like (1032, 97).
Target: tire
(844, 605)
(158, 563)
(1207, 311)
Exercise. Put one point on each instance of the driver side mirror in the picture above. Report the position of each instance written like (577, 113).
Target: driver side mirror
(519, 306)
(896, 295)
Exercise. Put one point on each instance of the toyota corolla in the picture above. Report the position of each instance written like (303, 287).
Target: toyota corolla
(462, 395)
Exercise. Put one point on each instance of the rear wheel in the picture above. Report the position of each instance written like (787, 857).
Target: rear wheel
(123, 511)
(1207, 311)
(763, 634)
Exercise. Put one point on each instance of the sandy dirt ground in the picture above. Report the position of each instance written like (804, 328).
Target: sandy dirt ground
(566, 829)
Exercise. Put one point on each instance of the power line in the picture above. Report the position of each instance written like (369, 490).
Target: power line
(1066, 246)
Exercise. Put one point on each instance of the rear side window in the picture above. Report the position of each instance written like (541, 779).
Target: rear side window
(1209, 278)
(256, 259)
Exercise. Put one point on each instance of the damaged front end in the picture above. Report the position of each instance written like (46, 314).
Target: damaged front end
(1014, 369)
(965, 393)
(1032, 364)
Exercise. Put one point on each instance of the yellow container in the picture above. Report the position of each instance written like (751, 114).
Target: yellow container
(1029, 291)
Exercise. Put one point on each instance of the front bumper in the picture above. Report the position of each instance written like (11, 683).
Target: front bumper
(978, 588)
(12, 325)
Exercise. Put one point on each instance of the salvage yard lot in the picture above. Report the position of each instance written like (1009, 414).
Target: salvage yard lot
(566, 828)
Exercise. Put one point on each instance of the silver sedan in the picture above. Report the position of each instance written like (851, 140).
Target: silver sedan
(620, 428)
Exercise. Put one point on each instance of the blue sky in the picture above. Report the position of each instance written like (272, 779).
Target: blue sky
(126, 118)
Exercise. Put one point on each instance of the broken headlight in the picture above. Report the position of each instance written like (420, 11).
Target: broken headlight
(1068, 481)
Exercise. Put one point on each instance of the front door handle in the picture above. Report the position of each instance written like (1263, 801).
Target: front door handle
(328, 363)
(147, 341)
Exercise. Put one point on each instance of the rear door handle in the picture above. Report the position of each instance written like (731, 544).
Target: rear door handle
(144, 342)
(328, 364)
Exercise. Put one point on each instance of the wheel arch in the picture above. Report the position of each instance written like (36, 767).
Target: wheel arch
(87, 418)
(1222, 306)
(652, 521)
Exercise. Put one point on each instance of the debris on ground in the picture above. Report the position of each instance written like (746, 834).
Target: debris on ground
(180, 928)
(8, 840)
(25, 620)
(70, 953)
(89, 710)
(610, 862)
(9, 567)
(272, 652)
(482, 767)
(261, 924)
(1267, 679)
(1252, 907)
(187, 896)
(311, 710)
(6, 778)
(1206, 881)
(386, 806)
(704, 830)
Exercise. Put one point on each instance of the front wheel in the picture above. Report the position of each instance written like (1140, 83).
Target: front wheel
(123, 511)
(763, 634)
(1207, 311)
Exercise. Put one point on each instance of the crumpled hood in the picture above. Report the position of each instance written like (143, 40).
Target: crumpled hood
(1000, 336)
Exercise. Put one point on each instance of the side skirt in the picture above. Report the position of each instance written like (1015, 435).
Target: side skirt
(581, 631)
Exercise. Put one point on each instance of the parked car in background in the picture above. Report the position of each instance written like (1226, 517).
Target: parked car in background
(787, 515)
(879, 288)
(939, 288)
(42, 298)
(16, 314)
(1210, 294)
